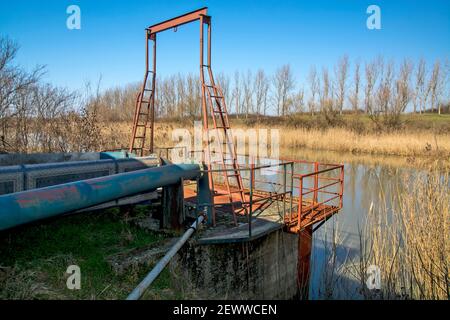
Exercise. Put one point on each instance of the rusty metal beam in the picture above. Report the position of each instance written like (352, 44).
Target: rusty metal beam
(178, 21)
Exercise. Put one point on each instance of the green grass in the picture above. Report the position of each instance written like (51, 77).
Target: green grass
(35, 258)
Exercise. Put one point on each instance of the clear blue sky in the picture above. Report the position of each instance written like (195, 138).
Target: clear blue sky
(246, 35)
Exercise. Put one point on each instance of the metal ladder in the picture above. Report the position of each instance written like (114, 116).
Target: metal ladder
(219, 114)
(143, 117)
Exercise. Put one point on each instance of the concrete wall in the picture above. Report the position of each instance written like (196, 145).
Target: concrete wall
(262, 269)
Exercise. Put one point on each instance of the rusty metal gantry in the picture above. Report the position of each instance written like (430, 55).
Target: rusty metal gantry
(144, 117)
(212, 100)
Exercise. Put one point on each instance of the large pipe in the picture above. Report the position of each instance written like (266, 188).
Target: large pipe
(27, 206)
(149, 278)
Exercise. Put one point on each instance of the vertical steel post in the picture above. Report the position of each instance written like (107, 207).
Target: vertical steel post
(284, 189)
(205, 114)
(250, 212)
(316, 183)
(300, 203)
(304, 261)
(341, 191)
(208, 22)
(152, 111)
(292, 187)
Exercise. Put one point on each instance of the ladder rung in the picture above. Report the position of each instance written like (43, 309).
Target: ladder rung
(212, 96)
(148, 90)
(205, 65)
(139, 137)
(143, 114)
(209, 86)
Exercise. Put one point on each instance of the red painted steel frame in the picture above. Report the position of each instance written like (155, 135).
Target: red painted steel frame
(178, 21)
(150, 34)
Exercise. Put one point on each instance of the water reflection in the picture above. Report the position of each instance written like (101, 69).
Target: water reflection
(374, 182)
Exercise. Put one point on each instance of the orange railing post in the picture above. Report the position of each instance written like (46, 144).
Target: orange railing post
(316, 183)
(300, 203)
(341, 191)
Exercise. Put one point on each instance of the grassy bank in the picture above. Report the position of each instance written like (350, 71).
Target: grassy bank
(34, 258)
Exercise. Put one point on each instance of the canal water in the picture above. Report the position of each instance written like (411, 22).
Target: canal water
(369, 182)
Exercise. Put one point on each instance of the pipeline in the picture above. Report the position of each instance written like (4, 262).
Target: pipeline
(152, 275)
(28, 206)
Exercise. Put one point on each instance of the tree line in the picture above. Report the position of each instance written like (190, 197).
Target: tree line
(378, 88)
(38, 116)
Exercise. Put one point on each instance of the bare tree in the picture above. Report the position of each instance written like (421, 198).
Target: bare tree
(284, 83)
(371, 74)
(341, 72)
(248, 93)
(193, 95)
(325, 89)
(403, 93)
(181, 92)
(298, 101)
(224, 82)
(435, 86)
(261, 88)
(384, 93)
(420, 92)
(354, 98)
(237, 93)
(313, 88)
(15, 83)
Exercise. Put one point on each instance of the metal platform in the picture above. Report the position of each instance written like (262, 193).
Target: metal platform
(271, 212)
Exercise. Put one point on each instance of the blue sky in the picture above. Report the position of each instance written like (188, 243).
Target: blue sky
(246, 35)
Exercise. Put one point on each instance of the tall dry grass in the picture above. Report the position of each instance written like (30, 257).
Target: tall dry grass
(409, 144)
(409, 243)
(339, 139)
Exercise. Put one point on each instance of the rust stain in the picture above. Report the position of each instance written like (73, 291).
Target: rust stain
(31, 198)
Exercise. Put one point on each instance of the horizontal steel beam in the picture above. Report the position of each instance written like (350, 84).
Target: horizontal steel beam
(178, 21)
(27, 206)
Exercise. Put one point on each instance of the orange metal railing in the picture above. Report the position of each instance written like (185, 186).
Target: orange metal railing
(310, 191)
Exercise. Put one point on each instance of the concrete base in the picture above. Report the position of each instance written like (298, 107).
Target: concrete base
(265, 268)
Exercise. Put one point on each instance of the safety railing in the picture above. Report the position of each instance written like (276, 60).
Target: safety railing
(256, 198)
(306, 192)
(319, 192)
